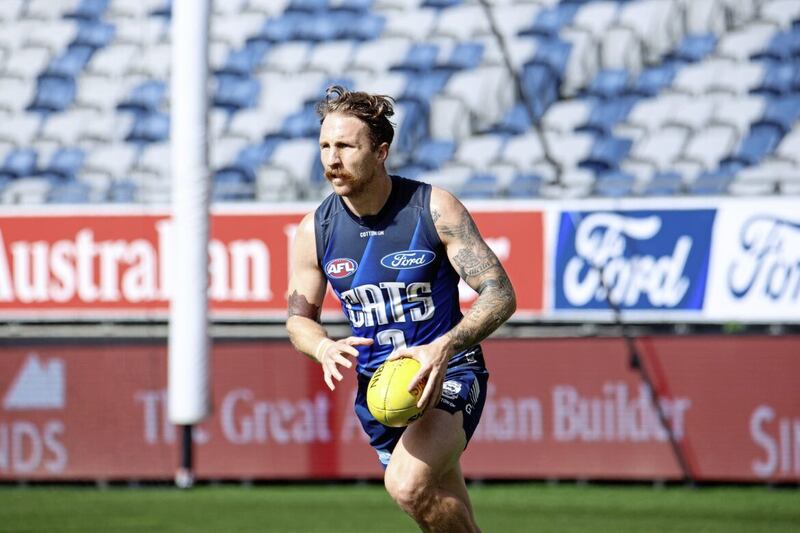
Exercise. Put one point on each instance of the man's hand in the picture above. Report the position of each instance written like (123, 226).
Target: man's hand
(331, 353)
(433, 359)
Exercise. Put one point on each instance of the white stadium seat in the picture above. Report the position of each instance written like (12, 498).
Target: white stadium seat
(780, 12)
(16, 94)
(566, 115)
(739, 111)
(416, 24)
(742, 43)
(704, 16)
(26, 191)
(661, 148)
(27, 63)
(20, 129)
(709, 146)
(596, 17)
(378, 55)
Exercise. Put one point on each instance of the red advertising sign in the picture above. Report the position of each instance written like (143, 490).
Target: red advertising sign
(104, 265)
(560, 408)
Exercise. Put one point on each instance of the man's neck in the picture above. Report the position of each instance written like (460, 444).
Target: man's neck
(372, 199)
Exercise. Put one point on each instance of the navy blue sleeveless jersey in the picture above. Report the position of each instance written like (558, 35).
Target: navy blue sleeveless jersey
(390, 272)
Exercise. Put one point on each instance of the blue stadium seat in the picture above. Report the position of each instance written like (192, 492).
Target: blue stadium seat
(668, 183)
(164, 11)
(781, 112)
(304, 123)
(480, 186)
(608, 83)
(782, 47)
(606, 154)
(440, 4)
(251, 157)
(281, 29)
(149, 128)
(362, 27)
(122, 192)
(541, 88)
(243, 62)
(73, 192)
(779, 79)
(606, 114)
(320, 27)
(232, 186)
(421, 57)
(693, 48)
(89, 10)
(554, 53)
(431, 154)
(308, 6)
(711, 183)
(53, 94)
(234, 93)
(20, 162)
(71, 62)
(525, 185)
(548, 22)
(516, 121)
(94, 34)
(65, 164)
(761, 140)
(465, 55)
(356, 6)
(424, 86)
(414, 127)
(145, 98)
(653, 79)
(614, 184)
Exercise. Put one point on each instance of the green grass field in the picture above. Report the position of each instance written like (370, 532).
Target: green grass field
(366, 508)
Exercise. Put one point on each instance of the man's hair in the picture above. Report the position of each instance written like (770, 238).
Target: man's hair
(373, 109)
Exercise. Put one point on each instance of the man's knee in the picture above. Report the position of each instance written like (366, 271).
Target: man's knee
(412, 493)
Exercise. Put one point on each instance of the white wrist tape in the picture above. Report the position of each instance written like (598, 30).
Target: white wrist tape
(321, 347)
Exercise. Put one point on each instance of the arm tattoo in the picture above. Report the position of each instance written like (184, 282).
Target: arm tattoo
(474, 258)
(300, 306)
(435, 215)
(494, 306)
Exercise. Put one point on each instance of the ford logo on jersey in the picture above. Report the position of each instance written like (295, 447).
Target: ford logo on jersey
(341, 268)
(408, 259)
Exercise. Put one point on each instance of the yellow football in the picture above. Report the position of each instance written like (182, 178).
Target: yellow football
(388, 398)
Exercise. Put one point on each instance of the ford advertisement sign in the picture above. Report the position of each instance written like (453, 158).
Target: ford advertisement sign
(637, 259)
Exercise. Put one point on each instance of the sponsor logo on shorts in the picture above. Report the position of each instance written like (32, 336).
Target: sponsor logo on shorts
(341, 268)
(451, 389)
(408, 259)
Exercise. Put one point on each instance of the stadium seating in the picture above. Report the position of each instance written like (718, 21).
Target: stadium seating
(605, 97)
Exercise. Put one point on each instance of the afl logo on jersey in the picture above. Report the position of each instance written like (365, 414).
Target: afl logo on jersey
(408, 259)
(341, 268)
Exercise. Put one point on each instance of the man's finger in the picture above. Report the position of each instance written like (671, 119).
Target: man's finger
(357, 341)
(419, 376)
(399, 354)
(426, 394)
(335, 373)
(344, 361)
(346, 348)
(328, 381)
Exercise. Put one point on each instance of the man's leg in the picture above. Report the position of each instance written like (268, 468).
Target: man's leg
(424, 477)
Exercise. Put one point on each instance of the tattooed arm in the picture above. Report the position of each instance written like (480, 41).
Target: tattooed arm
(479, 267)
(477, 264)
(306, 292)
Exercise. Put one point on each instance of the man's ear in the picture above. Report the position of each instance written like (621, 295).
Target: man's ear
(383, 152)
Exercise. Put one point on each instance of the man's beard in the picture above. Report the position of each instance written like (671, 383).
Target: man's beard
(356, 186)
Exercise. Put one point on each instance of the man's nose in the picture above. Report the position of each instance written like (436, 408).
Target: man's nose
(333, 158)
